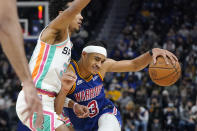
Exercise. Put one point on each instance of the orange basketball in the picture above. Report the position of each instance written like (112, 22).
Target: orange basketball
(164, 74)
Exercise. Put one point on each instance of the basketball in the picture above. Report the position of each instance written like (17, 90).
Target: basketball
(164, 74)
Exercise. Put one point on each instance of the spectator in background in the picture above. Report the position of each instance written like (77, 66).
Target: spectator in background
(193, 32)
(194, 114)
(141, 96)
(129, 117)
(165, 99)
(142, 117)
(114, 95)
(4, 120)
(156, 115)
(169, 45)
(183, 31)
(170, 116)
(186, 117)
(122, 46)
(123, 101)
(155, 94)
(132, 82)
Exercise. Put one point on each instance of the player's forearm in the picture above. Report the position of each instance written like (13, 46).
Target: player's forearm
(133, 65)
(16, 55)
(59, 102)
(67, 16)
(12, 44)
(141, 62)
(77, 6)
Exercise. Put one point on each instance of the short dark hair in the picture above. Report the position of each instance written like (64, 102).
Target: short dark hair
(97, 43)
(57, 5)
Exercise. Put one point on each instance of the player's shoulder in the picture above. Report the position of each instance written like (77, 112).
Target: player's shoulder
(106, 65)
(71, 67)
(108, 62)
(48, 34)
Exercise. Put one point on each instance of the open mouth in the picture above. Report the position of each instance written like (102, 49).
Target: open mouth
(95, 69)
(80, 23)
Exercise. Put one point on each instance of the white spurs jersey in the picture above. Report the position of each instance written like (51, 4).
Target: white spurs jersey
(48, 62)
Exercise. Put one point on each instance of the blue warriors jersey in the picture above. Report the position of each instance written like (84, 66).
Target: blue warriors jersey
(89, 92)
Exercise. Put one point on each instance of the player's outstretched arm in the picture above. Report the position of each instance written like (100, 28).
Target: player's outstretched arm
(138, 63)
(65, 18)
(12, 44)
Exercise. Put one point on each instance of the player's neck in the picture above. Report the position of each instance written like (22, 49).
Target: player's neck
(70, 32)
(82, 70)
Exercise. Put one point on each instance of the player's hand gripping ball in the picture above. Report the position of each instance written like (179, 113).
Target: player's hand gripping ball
(164, 74)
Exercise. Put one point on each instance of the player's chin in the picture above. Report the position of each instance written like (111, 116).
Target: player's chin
(96, 72)
(93, 72)
(77, 29)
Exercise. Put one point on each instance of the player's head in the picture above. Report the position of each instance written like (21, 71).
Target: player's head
(56, 7)
(93, 56)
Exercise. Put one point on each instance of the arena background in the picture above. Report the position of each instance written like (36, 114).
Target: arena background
(130, 27)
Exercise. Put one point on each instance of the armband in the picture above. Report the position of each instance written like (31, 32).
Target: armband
(66, 102)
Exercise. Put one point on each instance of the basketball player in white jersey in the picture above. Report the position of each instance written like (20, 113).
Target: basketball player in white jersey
(12, 44)
(49, 62)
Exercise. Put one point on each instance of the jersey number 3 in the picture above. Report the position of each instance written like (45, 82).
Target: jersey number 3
(93, 107)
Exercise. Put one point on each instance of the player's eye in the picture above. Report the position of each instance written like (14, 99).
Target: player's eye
(102, 61)
(97, 58)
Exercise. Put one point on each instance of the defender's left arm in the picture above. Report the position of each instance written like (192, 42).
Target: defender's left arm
(67, 80)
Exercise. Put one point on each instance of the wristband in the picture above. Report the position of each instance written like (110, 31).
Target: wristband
(66, 102)
(150, 52)
(74, 106)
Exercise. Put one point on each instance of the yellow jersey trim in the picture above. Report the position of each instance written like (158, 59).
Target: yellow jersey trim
(72, 89)
(100, 76)
(74, 86)
(77, 68)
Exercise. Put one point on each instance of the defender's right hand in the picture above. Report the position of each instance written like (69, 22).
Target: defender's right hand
(33, 103)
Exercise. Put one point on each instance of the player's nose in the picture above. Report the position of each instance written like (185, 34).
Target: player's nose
(99, 65)
(81, 17)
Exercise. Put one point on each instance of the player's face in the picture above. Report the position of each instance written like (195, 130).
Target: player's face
(94, 62)
(76, 23)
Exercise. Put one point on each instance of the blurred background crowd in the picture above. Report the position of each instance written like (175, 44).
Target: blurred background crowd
(136, 28)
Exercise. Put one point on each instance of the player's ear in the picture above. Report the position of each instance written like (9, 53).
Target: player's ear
(83, 54)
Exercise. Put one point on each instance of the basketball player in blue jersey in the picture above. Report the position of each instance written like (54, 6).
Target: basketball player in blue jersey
(11, 40)
(49, 61)
(88, 89)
